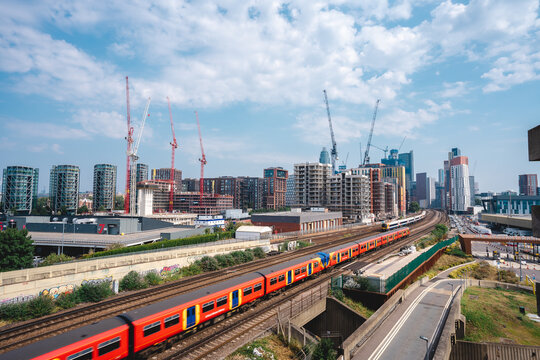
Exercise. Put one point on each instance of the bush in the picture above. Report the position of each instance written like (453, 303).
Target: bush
(67, 300)
(55, 259)
(152, 278)
(239, 257)
(94, 292)
(456, 251)
(208, 263)
(191, 270)
(259, 253)
(324, 350)
(14, 312)
(248, 256)
(40, 306)
(132, 281)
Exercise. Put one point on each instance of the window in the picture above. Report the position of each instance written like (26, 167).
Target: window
(273, 280)
(281, 277)
(86, 354)
(257, 287)
(221, 301)
(248, 291)
(151, 328)
(296, 271)
(303, 270)
(108, 346)
(208, 306)
(172, 320)
(316, 265)
(334, 257)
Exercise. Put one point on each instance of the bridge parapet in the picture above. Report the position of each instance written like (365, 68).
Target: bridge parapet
(466, 239)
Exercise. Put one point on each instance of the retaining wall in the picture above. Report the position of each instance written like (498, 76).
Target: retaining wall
(21, 285)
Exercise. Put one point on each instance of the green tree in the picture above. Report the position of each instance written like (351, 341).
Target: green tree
(63, 210)
(119, 202)
(83, 209)
(42, 207)
(132, 281)
(16, 249)
(414, 207)
(324, 350)
(101, 208)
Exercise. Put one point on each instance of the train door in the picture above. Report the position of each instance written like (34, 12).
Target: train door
(338, 257)
(235, 298)
(309, 268)
(350, 253)
(289, 277)
(191, 318)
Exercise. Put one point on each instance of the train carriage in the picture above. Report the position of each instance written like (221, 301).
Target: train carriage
(156, 322)
(342, 253)
(289, 272)
(103, 340)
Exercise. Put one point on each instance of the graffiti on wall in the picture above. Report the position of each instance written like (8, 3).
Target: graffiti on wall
(18, 299)
(57, 290)
(97, 281)
(169, 270)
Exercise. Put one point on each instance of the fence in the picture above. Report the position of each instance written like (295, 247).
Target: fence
(402, 273)
(315, 231)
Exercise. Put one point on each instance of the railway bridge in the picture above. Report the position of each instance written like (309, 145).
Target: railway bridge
(466, 239)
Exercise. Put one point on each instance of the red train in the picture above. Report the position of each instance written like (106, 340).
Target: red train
(137, 330)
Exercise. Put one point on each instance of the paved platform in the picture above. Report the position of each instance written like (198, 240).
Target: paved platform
(391, 265)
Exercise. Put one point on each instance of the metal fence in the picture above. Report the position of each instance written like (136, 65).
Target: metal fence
(402, 273)
(315, 231)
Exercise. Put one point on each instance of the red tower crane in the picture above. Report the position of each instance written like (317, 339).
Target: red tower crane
(129, 139)
(202, 160)
(174, 146)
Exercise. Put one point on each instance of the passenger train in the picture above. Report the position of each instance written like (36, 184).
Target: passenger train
(402, 222)
(130, 333)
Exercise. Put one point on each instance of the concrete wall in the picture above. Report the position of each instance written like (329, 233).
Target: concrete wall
(20, 285)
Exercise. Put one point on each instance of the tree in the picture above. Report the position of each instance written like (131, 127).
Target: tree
(63, 210)
(101, 208)
(16, 249)
(325, 350)
(83, 209)
(414, 207)
(119, 202)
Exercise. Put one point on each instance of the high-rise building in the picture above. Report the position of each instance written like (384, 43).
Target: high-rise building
(165, 174)
(224, 185)
(407, 160)
(421, 189)
(324, 158)
(528, 184)
(251, 192)
(460, 189)
(20, 188)
(275, 187)
(142, 172)
(350, 194)
(64, 187)
(398, 173)
(472, 190)
(310, 184)
(441, 177)
(190, 185)
(105, 186)
(290, 199)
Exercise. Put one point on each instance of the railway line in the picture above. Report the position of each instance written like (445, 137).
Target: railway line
(209, 343)
(12, 337)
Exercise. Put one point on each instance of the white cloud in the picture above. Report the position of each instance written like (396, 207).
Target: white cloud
(314, 129)
(45, 130)
(39, 148)
(456, 89)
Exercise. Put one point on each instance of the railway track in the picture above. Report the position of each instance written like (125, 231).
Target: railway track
(210, 342)
(18, 335)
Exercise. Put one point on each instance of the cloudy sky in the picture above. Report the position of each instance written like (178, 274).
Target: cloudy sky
(449, 74)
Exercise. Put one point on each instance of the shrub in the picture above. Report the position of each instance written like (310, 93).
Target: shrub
(248, 256)
(55, 259)
(208, 263)
(14, 312)
(40, 306)
(259, 253)
(67, 300)
(324, 350)
(239, 257)
(94, 292)
(152, 278)
(456, 251)
(192, 269)
(132, 281)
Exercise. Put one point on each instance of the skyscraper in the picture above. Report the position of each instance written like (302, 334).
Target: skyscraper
(105, 186)
(407, 159)
(142, 172)
(290, 199)
(64, 187)
(19, 188)
(324, 158)
(528, 184)
(459, 187)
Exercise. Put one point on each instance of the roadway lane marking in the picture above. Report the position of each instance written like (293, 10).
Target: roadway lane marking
(388, 339)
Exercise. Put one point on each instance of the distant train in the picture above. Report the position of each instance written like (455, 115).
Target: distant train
(131, 333)
(402, 222)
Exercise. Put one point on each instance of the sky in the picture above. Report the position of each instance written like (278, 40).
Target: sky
(448, 74)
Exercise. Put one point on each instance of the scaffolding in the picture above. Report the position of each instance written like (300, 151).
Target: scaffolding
(64, 187)
(19, 188)
(104, 187)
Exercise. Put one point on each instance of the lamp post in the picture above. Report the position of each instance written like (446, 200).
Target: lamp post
(427, 347)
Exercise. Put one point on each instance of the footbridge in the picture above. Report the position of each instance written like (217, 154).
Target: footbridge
(466, 239)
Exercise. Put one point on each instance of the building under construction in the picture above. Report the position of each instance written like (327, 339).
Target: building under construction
(104, 187)
(165, 174)
(311, 184)
(64, 188)
(19, 188)
(350, 194)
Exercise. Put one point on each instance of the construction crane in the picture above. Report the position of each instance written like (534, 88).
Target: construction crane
(133, 157)
(203, 162)
(174, 146)
(333, 152)
(402, 141)
(129, 139)
(366, 155)
(385, 150)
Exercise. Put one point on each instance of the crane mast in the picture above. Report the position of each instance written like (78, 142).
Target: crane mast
(333, 152)
(174, 146)
(129, 139)
(366, 155)
(203, 162)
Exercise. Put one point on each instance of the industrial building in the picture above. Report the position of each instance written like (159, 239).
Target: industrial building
(20, 188)
(288, 221)
(104, 187)
(165, 174)
(311, 184)
(64, 188)
(275, 187)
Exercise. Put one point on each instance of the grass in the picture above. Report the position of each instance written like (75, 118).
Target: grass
(272, 347)
(355, 305)
(445, 262)
(493, 315)
(484, 271)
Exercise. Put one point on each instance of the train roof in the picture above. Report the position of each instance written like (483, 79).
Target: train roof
(285, 265)
(59, 341)
(159, 306)
(343, 246)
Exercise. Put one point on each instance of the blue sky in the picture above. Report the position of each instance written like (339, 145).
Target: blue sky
(448, 74)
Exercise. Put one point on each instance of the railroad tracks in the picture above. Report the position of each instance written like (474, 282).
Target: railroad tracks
(18, 335)
(217, 341)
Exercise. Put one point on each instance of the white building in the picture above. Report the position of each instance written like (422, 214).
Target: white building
(253, 232)
(460, 189)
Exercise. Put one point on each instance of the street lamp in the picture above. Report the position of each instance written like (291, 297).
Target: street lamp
(427, 343)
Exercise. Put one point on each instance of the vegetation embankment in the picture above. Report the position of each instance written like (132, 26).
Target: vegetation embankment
(493, 316)
(452, 256)
(46, 304)
(355, 305)
(437, 235)
(484, 271)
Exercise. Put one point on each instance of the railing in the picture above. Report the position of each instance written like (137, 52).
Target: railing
(314, 231)
(402, 273)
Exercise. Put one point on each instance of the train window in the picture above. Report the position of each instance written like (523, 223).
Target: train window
(281, 277)
(273, 280)
(151, 328)
(172, 320)
(316, 265)
(221, 301)
(334, 257)
(257, 287)
(108, 346)
(86, 354)
(297, 271)
(303, 270)
(208, 306)
(248, 291)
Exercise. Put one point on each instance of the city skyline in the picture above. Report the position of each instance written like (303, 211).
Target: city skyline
(448, 75)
